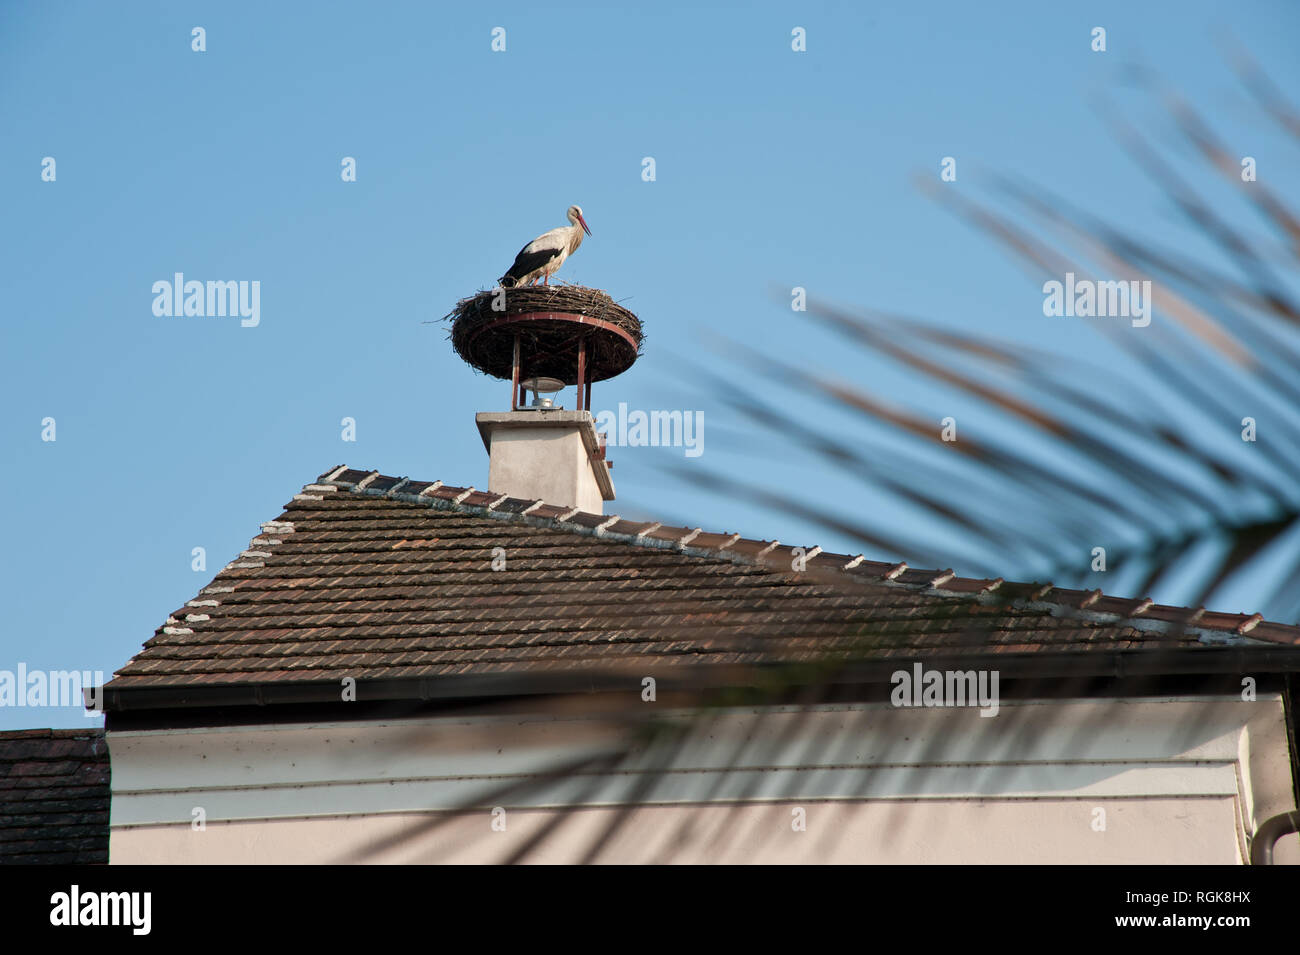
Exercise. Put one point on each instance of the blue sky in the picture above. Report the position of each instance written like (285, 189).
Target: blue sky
(771, 167)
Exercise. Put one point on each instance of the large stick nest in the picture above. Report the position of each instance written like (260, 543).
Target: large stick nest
(548, 346)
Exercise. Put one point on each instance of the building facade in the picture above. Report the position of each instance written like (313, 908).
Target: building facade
(403, 671)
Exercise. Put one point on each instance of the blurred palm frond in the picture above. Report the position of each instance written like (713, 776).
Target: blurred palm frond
(1055, 456)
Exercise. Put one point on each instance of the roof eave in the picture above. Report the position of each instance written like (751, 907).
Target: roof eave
(1054, 668)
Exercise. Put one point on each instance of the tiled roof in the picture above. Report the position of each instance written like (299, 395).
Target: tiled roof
(372, 576)
(54, 790)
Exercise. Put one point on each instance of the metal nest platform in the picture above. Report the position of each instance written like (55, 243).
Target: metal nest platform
(574, 334)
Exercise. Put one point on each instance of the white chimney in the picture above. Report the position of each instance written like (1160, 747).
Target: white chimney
(552, 455)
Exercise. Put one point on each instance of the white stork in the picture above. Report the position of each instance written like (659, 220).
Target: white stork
(541, 258)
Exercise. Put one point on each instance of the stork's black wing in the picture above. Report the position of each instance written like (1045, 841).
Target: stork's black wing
(526, 262)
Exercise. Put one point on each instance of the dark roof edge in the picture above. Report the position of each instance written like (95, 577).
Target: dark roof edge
(1054, 668)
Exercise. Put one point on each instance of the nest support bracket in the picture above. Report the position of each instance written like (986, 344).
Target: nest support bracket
(578, 349)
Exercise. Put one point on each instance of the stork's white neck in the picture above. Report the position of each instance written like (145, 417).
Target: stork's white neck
(575, 237)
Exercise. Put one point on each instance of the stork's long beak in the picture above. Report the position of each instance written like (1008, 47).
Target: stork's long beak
(585, 228)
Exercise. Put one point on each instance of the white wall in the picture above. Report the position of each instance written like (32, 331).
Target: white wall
(1179, 780)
